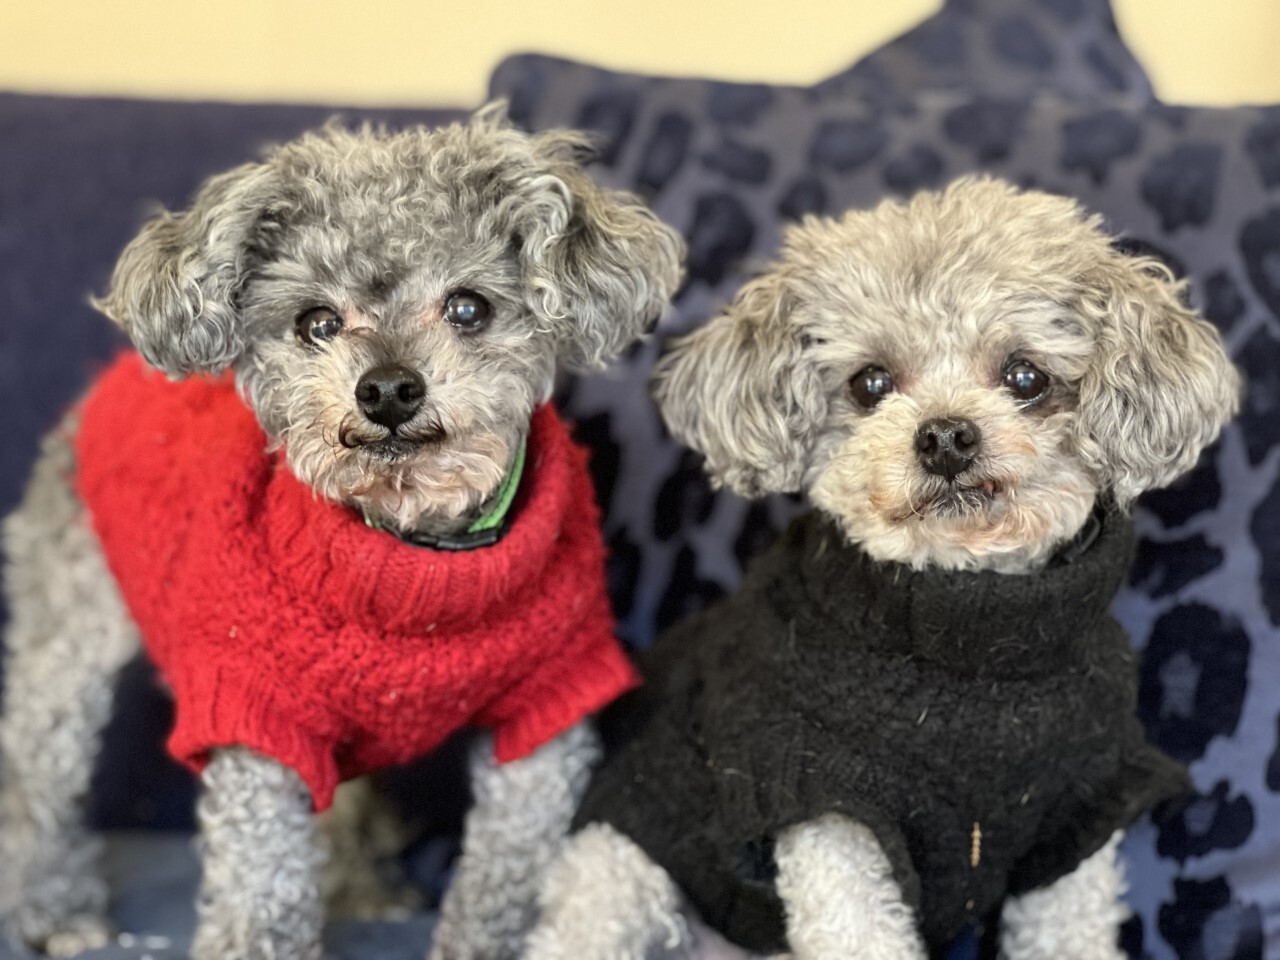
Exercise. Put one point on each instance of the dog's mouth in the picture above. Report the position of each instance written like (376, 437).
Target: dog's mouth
(956, 500)
(390, 450)
(397, 445)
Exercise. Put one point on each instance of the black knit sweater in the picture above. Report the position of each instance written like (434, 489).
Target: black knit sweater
(923, 704)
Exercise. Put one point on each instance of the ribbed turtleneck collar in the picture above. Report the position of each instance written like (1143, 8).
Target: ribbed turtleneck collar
(359, 574)
(975, 623)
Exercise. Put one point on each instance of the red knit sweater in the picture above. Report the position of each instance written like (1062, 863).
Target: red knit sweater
(283, 623)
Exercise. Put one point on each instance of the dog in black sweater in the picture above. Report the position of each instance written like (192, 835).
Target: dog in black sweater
(917, 712)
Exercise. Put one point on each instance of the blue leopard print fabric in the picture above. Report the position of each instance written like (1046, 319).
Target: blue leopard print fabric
(730, 164)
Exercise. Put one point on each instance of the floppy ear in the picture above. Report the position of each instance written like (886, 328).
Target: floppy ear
(173, 289)
(601, 265)
(740, 391)
(1161, 386)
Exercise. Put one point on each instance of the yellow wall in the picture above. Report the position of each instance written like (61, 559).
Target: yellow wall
(436, 52)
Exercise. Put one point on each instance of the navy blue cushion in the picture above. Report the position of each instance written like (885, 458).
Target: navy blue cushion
(730, 164)
(1068, 47)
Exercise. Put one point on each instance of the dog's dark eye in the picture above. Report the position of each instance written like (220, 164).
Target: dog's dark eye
(1025, 381)
(467, 311)
(870, 385)
(317, 324)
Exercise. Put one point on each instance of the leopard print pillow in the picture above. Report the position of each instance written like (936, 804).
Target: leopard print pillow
(730, 164)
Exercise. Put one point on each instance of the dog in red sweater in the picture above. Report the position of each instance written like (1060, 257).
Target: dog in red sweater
(353, 527)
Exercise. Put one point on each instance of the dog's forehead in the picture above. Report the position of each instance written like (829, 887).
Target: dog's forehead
(918, 292)
(916, 319)
(379, 239)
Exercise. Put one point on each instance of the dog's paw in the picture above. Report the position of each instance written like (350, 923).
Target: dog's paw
(59, 936)
(79, 934)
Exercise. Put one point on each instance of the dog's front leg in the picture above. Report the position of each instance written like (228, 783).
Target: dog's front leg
(1077, 917)
(606, 900)
(517, 825)
(840, 894)
(260, 896)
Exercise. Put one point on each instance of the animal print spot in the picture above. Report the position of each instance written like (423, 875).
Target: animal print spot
(1273, 766)
(1205, 922)
(863, 78)
(721, 235)
(758, 532)
(622, 570)
(1262, 143)
(845, 145)
(684, 500)
(1181, 185)
(739, 162)
(1092, 143)
(987, 127)
(1138, 247)
(609, 114)
(606, 456)
(806, 195)
(1018, 41)
(687, 593)
(1264, 528)
(917, 168)
(1132, 936)
(1196, 491)
(664, 152)
(1260, 412)
(1068, 11)
(1104, 67)
(1161, 569)
(1193, 679)
(1260, 244)
(738, 102)
(1197, 824)
(940, 43)
(1223, 303)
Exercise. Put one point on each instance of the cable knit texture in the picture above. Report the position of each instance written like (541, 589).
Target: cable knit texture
(931, 706)
(283, 623)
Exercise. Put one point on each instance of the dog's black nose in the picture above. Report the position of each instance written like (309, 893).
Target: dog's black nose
(947, 445)
(391, 394)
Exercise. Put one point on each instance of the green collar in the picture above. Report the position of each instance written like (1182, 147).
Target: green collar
(497, 514)
(486, 530)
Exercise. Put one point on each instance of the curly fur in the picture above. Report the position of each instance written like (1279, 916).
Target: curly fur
(941, 291)
(68, 638)
(1075, 917)
(513, 833)
(379, 227)
(260, 859)
(833, 860)
(604, 898)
